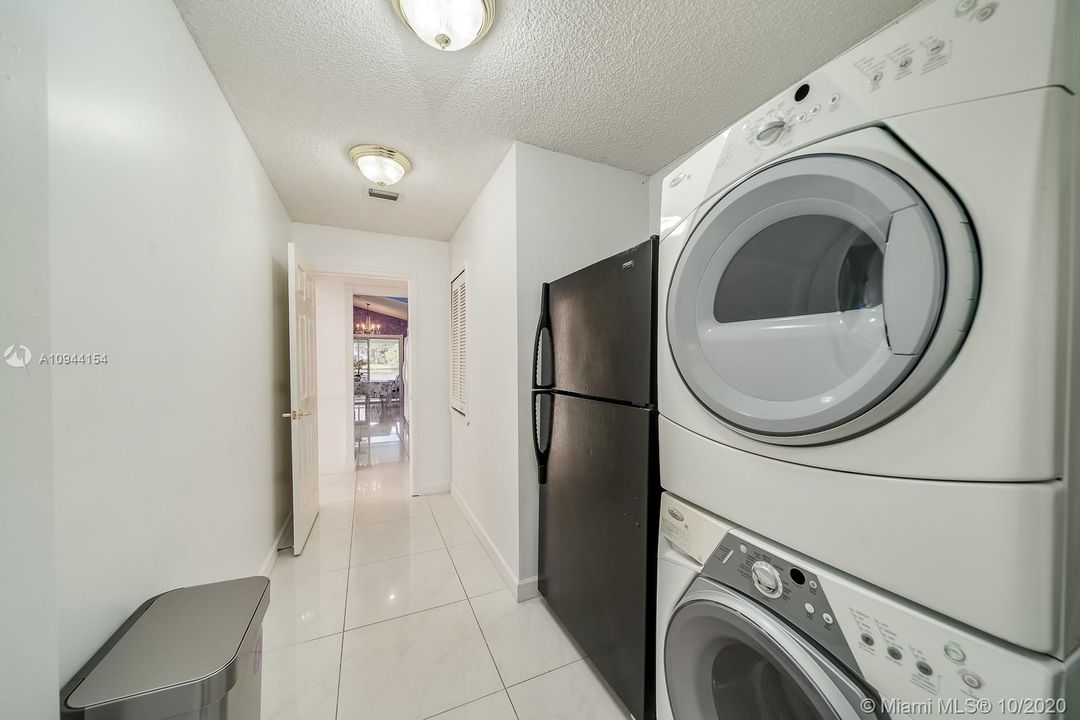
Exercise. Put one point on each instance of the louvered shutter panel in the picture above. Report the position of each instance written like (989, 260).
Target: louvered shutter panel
(458, 367)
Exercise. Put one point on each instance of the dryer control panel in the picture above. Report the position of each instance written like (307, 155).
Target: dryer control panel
(943, 53)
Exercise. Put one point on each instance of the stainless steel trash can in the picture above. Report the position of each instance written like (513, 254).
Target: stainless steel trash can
(190, 653)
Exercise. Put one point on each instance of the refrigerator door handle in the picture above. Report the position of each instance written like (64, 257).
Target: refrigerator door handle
(543, 351)
(542, 416)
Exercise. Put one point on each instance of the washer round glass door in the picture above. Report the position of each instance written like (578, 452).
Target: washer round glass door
(726, 659)
(805, 295)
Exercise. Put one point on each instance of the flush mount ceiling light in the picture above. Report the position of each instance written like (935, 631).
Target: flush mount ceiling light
(447, 24)
(381, 165)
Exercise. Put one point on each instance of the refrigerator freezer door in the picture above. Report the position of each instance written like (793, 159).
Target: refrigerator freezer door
(603, 329)
(598, 538)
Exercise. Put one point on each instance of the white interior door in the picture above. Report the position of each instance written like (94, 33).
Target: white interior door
(302, 413)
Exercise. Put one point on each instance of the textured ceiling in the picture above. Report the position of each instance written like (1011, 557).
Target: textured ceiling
(629, 83)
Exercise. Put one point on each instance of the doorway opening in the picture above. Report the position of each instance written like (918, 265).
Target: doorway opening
(365, 396)
(380, 385)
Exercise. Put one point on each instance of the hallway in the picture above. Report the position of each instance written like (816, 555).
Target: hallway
(396, 612)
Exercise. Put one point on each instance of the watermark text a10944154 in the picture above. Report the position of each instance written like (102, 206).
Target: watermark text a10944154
(18, 355)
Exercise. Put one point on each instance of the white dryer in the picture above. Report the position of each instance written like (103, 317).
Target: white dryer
(869, 316)
(751, 629)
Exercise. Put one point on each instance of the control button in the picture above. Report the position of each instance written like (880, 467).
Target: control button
(674, 182)
(964, 6)
(815, 110)
(876, 77)
(867, 639)
(809, 608)
(936, 47)
(986, 12)
(924, 668)
(834, 99)
(895, 653)
(955, 653)
(905, 63)
(742, 549)
(972, 680)
(827, 618)
(767, 579)
(801, 117)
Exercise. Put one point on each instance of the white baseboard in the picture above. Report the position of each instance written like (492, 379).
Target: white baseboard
(508, 577)
(432, 489)
(271, 557)
(528, 588)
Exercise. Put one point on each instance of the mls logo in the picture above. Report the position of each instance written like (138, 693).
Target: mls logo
(18, 356)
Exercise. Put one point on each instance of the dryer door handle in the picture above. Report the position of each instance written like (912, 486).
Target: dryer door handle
(913, 280)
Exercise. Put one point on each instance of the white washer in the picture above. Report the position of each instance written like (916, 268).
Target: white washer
(752, 629)
(869, 316)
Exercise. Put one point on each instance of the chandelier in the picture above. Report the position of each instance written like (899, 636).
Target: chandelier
(367, 327)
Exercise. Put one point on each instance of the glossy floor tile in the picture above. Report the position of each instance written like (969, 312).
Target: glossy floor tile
(455, 528)
(493, 707)
(325, 550)
(416, 666)
(395, 611)
(393, 508)
(337, 488)
(476, 570)
(383, 487)
(525, 639)
(334, 515)
(441, 503)
(300, 682)
(572, 692)
(304, 608)
(389, 589)
(394, 538)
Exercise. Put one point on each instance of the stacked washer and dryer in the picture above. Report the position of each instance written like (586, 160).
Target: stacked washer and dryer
(869, 368)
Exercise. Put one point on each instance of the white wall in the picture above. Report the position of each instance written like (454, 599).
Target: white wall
(167, 253)
(485, 442)
(333, 350)
(424, 264)
(541, 216)
(570, 213)
(28, 664)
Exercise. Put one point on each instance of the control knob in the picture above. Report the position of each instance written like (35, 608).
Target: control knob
(770, 130)
(767, 579)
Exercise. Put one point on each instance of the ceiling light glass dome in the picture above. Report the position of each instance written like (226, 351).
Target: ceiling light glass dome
(447, 24)
(379, 164)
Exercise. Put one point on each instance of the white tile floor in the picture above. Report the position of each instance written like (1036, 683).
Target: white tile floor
(395, 611)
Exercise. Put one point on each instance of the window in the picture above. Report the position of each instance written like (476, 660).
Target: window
(458, 368)
(377, 358)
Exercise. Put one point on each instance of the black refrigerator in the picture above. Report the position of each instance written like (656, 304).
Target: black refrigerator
(595, 434)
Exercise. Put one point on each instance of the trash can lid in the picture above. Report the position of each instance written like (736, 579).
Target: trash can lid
(183, 637)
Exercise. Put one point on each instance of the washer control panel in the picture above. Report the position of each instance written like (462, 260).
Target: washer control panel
(788, 588)
(906, 653)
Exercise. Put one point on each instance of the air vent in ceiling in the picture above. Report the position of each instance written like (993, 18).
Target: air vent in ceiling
(382, 194)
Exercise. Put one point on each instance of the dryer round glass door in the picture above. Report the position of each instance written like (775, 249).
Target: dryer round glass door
(729, 659)
(806, 295)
